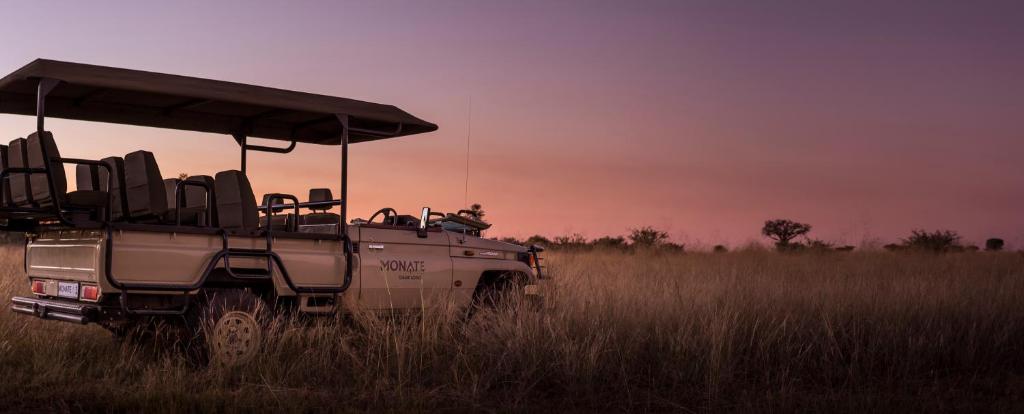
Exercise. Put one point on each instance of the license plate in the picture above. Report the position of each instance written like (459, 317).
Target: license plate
(67, 290)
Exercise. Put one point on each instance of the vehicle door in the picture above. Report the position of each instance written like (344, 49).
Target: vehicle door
(399, 270)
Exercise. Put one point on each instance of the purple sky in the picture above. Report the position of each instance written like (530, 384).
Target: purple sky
(866, 119)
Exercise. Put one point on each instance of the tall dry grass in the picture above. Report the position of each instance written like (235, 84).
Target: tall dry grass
(660, 332)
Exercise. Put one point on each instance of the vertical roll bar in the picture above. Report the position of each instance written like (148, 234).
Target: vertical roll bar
(241, 142)
(44, 88)
(343, 216)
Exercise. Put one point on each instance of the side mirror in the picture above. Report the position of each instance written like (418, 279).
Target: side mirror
(421, 231)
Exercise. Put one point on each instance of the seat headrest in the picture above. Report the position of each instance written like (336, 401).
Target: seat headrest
(320, 194)
(37, 143)
(144, 186)
(236, 204)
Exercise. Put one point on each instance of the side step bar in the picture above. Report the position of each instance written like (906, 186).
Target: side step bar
(55, 310)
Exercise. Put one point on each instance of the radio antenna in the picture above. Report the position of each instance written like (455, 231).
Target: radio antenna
(469, 133)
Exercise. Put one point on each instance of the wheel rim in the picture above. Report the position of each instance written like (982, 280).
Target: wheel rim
(236, 338)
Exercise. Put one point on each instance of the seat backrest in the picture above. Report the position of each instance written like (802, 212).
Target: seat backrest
(195, 197)
(144, 186)
(21, 187)
(170, 185)
(320, 194)
(119, 200)
(40, 188)
(236, 204)
(87, 177)
(5, 198)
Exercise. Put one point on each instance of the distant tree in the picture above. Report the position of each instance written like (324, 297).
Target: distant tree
(609, 242)
(572, 241)
(720, 249)
(647, 236)
(935, 241)
(783, 231)
(512, 240)
(477, 211)
(182, 176)
(538, 240)
(994, 245)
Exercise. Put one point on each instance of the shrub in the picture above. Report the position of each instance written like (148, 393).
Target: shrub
(936, 241)
(994, 245)
(647, 236)
(609, 242)
(720, 249)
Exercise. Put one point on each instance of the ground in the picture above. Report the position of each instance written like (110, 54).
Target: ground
(623, 331)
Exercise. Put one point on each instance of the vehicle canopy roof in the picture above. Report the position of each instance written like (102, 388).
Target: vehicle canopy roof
(133, 97)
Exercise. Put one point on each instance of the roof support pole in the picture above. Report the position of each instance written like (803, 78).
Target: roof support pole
(241, 143)
(44, 88)
(343, 226)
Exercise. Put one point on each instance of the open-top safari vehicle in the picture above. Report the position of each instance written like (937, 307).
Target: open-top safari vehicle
(129, 246)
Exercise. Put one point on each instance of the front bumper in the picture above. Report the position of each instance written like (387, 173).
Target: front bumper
(81, 313)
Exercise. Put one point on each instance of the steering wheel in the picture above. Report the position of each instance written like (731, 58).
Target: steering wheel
(388, 212)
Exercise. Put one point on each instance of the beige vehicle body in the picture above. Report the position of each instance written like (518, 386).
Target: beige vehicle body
(394, 269)
(130, 244)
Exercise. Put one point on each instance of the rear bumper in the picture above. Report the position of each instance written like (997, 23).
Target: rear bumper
(74, 312)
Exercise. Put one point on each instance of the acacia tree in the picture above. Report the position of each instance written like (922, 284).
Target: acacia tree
(783, 231)
(647, 236)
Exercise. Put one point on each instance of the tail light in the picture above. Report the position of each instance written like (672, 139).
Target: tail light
(90, 292)
(38, 287)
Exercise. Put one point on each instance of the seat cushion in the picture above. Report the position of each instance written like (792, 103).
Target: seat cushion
(320, 218)
(88, 198)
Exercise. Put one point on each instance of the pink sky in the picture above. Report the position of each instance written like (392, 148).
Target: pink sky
(866, 120)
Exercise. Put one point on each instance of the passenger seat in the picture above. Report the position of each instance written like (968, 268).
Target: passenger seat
(320, 215)
(95, 178)
(280, 221)
(236, 204)
(40, 189)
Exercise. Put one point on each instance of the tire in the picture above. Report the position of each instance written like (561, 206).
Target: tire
(497, 292)
(229, 327)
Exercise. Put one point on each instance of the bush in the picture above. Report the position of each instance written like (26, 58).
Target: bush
(994, 245)
(647, 236)
(720, 249)
(609, 242)
(938, 241)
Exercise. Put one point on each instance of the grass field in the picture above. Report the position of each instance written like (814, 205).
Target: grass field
(743, 331)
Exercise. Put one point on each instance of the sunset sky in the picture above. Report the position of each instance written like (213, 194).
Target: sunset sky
(865, 119)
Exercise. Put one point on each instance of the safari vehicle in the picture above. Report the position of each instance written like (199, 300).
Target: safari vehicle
(129, 246)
